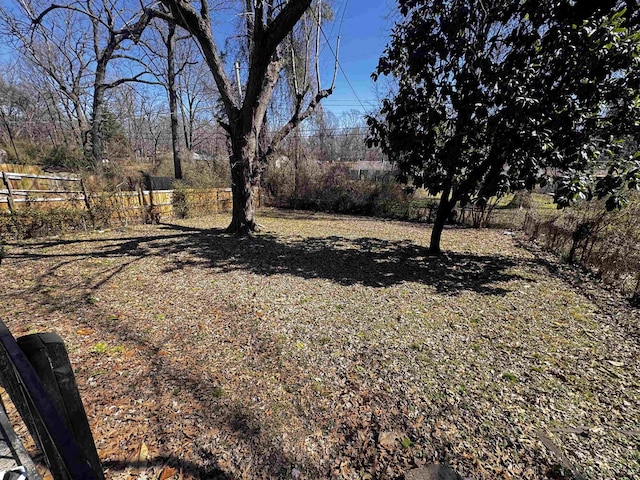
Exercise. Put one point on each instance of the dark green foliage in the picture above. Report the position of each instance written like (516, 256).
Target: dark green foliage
(493, 97)
(180, 200)
(111, 127)
(28, 152)
(65, 158)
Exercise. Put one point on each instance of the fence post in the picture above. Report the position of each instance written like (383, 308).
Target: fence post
(23, 383)
(13, 385)
(7, 183)
(87, 203)
(151, 202)
(141, 204)
(48, 356)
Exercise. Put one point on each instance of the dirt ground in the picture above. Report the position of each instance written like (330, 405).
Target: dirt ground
(334, 347)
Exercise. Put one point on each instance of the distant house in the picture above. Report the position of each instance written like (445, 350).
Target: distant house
(281, 160)
(372, 170)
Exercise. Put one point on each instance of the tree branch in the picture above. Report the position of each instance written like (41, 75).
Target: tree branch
(319, 20)
(283, 23)
(50, 8)
(297, 118)
(135, 78)
(38, 19)
(184, 15)
(265, 65)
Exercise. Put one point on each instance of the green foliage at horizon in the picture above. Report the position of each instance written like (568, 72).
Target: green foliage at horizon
(66, 158)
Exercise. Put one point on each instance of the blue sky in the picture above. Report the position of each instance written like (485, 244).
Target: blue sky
(364, 34)
(364, 27)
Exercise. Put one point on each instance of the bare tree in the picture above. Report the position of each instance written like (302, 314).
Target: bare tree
(13, 104)
(351, 136)
(324, 143)
(163, 66)
(114, 30)
(144, 118)
(198, 99)
(167, 65)
(57, 50)
(170, 43)
(267, 26)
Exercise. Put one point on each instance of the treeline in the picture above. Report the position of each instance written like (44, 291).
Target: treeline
(39, 129)
(98, 85)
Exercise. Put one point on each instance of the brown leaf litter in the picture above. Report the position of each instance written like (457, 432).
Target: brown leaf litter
(333, 347)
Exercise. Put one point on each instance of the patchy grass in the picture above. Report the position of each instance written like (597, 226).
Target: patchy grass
(334, 346)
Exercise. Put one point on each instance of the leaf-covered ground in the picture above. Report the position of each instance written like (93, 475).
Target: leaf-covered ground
(334, 347)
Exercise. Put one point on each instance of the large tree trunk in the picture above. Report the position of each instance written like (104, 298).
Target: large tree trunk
(97, 134)
(444, 212)
(80, 116)
(243, 215)
(173, 101)
(267, 27)
(97, 115)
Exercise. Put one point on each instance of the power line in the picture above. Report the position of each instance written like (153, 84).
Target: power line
(335, 56)
(342, 18)
(355, 130)
(345, 104)
(358, 56)
(333, 24)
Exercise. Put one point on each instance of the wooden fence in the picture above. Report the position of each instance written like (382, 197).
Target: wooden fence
(28, 188)
(26, 192)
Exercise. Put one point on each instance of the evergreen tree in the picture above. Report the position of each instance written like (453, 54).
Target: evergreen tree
(492, 95)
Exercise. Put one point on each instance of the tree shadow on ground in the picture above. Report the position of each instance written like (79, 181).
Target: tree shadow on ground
(365, 261)
(190, 469)
(241, 425)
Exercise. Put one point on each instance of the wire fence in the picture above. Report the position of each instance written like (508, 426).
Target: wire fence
(607, 244)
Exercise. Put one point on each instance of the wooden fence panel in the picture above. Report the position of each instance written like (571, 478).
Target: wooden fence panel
(35, 189)
(27, 186)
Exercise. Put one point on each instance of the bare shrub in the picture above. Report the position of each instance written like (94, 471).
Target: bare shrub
(204, 172)
(32, 222)
(608, 243)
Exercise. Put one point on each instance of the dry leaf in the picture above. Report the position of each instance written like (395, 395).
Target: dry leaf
(393, 339)
(345, 469)
(387, 439)
(167, 472)
(140, 458)
(562, 458)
